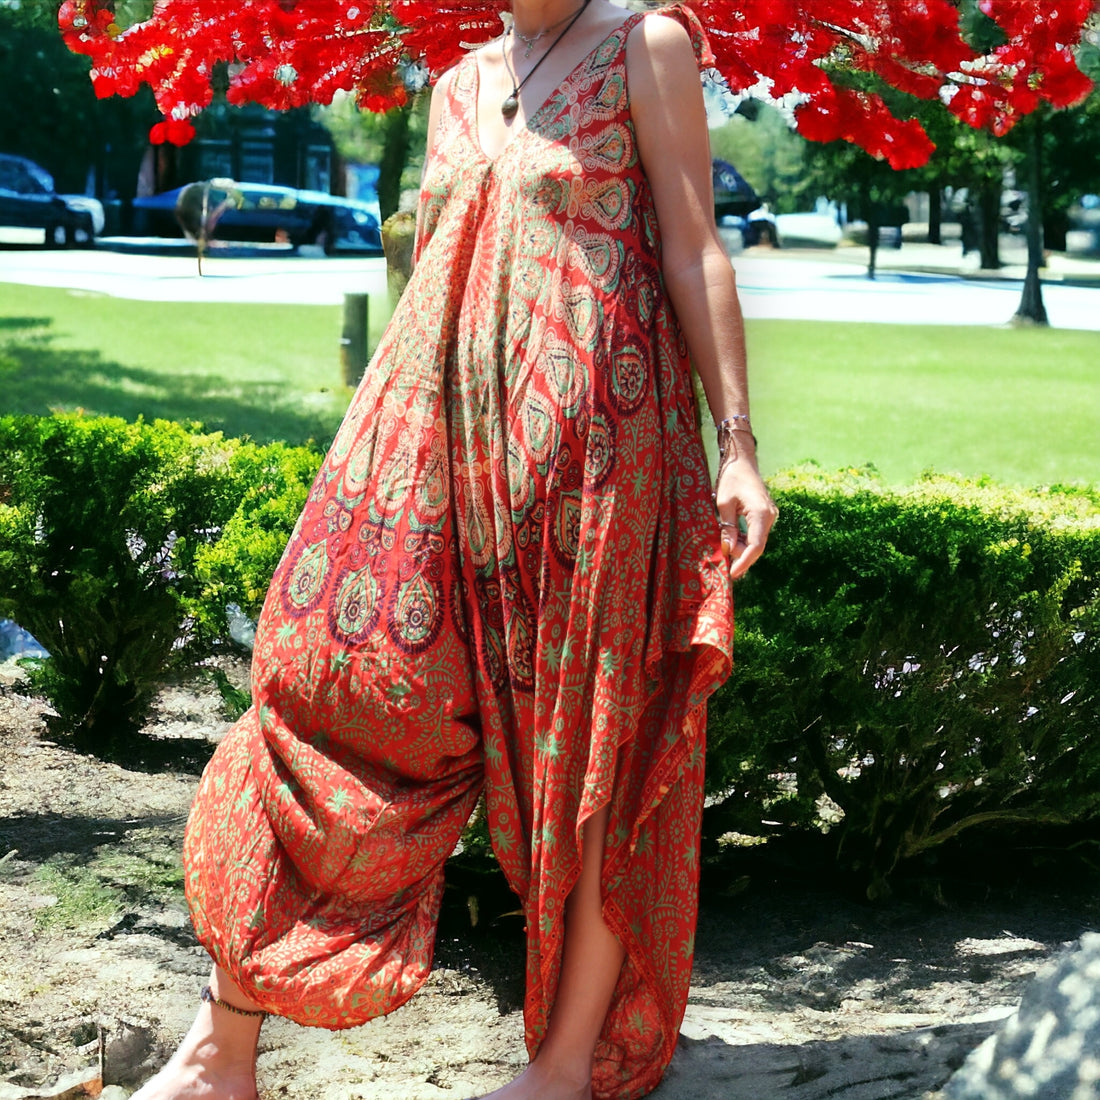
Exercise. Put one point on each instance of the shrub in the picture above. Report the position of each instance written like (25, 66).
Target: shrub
(928, 659)
(97, 521)
(110, 553)
(912, 664)
(272, 483)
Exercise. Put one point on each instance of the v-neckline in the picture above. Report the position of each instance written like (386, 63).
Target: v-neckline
(529, 123)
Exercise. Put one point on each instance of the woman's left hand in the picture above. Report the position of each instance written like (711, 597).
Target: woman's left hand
(741, 494)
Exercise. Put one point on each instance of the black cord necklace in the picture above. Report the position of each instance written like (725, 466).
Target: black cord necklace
(510, 106)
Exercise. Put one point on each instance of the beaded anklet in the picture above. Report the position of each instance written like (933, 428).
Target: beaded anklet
(208, 996)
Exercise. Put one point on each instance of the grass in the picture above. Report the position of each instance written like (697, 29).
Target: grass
(92, 891)
(1018, 405)
(270, 372)
(82, 899)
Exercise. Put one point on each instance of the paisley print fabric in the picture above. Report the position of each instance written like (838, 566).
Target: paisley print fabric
(508, 579)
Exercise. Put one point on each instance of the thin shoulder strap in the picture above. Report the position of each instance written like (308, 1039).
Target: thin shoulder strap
(683, 14)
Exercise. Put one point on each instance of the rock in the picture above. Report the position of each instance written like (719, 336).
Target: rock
(79, 1085)
(241, 628)
(1050, 1048)
(114, 1092)
(130, 1052)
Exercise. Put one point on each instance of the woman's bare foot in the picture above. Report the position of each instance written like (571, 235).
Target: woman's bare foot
(592, 958)
(217, 1058)
(537, 1082)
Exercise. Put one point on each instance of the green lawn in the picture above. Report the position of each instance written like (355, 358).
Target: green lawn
(1022, 406)
(271, 372)
(1019, 405)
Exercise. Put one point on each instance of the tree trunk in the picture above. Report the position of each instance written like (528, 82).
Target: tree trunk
(989, 214)
(1031, 310)
(872, 244)
(1055, 230)
(868, 208)
(395, 154)
(935, 215)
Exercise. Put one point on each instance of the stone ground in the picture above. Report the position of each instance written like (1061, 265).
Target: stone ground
(800, 992)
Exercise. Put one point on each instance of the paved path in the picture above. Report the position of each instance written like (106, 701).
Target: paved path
(280, 278)
(801, 288)
(808, 285)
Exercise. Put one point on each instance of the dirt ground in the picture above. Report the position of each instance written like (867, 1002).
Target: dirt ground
(798, 994)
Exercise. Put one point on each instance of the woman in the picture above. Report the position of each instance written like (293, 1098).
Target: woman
(508, 578)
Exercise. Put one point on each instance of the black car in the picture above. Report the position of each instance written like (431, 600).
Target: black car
(261, 212)
(733, 194)
(28, 200)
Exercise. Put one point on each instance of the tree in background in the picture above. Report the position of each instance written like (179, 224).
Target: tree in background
(290, 53)
(393, 139)
(976, 158)
(976, 162)
(1071, 165)
(759, 140)
(870, 188)
(72, 131)
(850, 63)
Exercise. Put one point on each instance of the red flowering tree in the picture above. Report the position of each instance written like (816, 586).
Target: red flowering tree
(288, 53)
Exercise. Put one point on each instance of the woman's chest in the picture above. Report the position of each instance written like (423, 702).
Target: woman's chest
(577, 148)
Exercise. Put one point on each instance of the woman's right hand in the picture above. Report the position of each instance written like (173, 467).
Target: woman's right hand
(746, 511)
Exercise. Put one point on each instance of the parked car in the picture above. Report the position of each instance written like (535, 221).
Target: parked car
(961, 205)
(733, 194)
(811, 229)
(759, 227)
(738, 206)
(262, 212)
(28, 200)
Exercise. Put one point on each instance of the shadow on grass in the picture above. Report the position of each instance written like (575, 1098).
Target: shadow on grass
(47, 835)
(37, 378)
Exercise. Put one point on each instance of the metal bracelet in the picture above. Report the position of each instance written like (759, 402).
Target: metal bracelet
(739, 422)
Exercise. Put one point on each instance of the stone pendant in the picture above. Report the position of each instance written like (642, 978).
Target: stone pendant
(510, 106)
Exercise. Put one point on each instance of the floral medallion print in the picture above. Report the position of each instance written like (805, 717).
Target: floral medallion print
(507, 579)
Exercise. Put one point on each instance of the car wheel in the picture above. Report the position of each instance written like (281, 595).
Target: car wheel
(55, 236)
(327, 237)
(766, 235)
(85, 232)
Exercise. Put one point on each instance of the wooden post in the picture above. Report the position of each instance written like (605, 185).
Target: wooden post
(353, 343)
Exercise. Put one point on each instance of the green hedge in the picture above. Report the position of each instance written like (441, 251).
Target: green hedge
(113, 545)
(272, 483)
(912, 664)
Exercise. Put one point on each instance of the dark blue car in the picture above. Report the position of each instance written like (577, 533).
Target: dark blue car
(262, 212)
(28, 200)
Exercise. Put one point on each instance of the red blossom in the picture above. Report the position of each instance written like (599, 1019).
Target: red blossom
(288, 53)
(172, 130)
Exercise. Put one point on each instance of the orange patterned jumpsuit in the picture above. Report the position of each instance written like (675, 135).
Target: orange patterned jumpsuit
(507, 579)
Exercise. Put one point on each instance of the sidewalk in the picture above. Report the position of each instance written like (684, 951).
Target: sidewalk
(919, 257)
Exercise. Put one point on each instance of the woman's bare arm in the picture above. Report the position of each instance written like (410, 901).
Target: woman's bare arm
(439, 94)
(670, 121)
